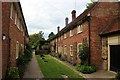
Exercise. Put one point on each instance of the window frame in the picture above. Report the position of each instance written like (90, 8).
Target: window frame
(65, 49)
(71, 50)
(79, 29)
(11, 11)
(17, 50)
(65, 36)
(78, 46)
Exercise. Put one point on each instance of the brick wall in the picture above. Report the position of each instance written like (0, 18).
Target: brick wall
(76, 38)
(5, 25)
(15, 35)
(101, 15)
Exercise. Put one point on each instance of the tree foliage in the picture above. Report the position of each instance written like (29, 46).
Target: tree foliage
(35, 38)
(90, 4)
(51, 35)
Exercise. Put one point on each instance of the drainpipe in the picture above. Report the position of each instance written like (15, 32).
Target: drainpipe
(89, 37)
(8, 58)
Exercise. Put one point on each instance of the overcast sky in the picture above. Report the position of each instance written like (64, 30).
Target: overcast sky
(46, 15)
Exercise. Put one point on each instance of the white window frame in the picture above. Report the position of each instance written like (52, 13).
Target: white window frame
(16, 17)
(71, 50)
(71, 33)
(78, 46)
(65, 35)
(79, 29)
(11, 12)
(17, 50)
(18, 23)
(65, 49)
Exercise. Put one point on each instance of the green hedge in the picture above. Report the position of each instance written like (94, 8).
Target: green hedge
(85, 68)
(12, 74)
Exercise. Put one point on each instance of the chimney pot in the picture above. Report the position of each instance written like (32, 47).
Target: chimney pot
(58, 28)
(66, 21)
(73, 15)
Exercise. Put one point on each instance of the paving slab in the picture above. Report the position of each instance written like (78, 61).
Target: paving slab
(32, 69)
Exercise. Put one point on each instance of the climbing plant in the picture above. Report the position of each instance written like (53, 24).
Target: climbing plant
(83, 54)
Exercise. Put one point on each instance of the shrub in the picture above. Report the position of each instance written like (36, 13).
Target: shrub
(118, 76)
(12, 73)
(85, 69)
(83, 54)
(25, 58)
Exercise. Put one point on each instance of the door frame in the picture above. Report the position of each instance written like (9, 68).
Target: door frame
(112, 40)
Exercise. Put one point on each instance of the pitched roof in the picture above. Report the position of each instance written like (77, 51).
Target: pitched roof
(111, 27)
(82, 17)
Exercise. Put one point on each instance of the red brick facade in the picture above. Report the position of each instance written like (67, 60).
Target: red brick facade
(14, 28)
(100, 15)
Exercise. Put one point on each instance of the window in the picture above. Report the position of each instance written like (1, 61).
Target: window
(71, 32)
(17, 49)
(11, 11)
(79, 46)
(18, 23)
(79, 29)
(65, 49)
(21, 28)
(71, 50)
(64, 35)
(16, 18)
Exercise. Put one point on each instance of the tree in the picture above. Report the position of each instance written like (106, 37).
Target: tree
(90, 4)
(35, 38)
(51, 35)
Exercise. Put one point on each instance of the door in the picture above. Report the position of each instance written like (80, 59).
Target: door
(115, 57)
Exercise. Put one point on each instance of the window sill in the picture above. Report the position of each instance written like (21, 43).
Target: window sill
(79, 32)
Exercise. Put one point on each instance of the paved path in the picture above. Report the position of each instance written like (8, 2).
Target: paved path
(99, 74)
(32, 69)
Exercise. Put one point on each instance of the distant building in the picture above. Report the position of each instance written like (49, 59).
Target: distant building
(98, 26)
(14, 35)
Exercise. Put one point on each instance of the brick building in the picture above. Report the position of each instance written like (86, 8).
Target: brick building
(14, 34)
(94, 27)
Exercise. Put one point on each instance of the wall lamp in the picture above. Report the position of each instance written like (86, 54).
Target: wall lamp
(3, 37)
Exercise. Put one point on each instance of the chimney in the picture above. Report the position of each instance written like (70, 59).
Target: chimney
(66, 21)
(73, 15)
(58, 28)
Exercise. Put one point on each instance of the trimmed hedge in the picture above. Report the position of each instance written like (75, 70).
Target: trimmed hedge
(85, 68)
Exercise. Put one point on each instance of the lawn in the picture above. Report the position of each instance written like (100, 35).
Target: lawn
(54, 69)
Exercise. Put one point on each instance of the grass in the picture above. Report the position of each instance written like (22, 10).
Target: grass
(54, 69)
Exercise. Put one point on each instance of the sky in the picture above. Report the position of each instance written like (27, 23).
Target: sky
(47, 15)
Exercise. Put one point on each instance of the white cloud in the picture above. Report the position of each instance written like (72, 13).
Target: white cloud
(46, 15)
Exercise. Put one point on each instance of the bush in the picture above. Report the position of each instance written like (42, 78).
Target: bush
(12, 73)
(83, 54)
(25, 58)
(118, 76)
(85, 69)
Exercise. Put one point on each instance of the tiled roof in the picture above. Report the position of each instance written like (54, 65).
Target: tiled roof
(73, 24)
(113, 26)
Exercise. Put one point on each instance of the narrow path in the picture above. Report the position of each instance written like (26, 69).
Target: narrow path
(32, 69)
(99, 74)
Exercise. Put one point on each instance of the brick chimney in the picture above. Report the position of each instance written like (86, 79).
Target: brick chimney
(66, 21)
(73, 15)
(58, 28)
